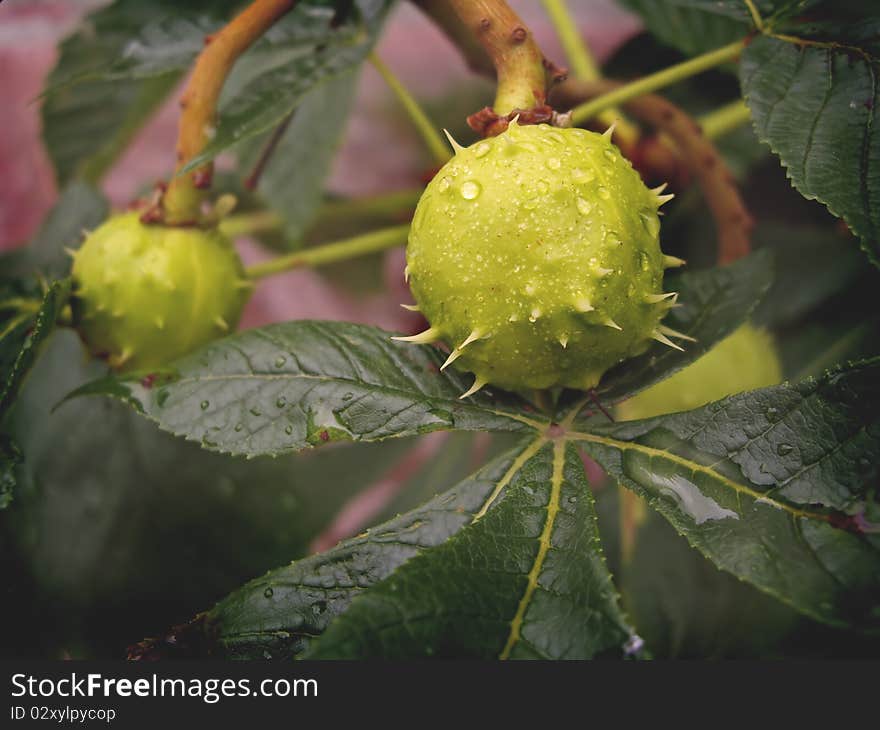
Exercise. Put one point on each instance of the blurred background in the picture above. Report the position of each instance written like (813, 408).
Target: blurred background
(120, 531)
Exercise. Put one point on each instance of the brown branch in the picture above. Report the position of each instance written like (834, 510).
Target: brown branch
(698, 155)
(181, 202)
(253, 179)
(522, 71)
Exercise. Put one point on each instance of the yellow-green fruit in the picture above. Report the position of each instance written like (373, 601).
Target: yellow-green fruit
(535, 256)
(147, 294)
(745, 360)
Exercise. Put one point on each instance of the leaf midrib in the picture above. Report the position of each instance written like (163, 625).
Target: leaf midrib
(543, 548)
(696, 467)
(372, 387)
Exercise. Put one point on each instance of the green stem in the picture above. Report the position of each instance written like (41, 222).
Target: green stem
(584, 66)
(655, 81)
(439, 149)
(721, 121)
(385, 205)
(248, 224)
(329, 253)
(581, 61)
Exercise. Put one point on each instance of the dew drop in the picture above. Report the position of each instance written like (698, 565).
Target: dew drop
(204, 405)
(603, 193)
(238, 427)
(482, 149)
(580, 176)
(784, 449)
(443, 185)
(543, 187)
(610, 156)
(279, 361)
(288, 429)
(553, 163)
(269, 592)
(255, 411)
(281, 402)
(470, 189)
(585, 207)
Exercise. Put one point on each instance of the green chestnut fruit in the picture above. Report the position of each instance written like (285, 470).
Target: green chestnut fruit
(144, 295)
(745, 360)
(535, 256)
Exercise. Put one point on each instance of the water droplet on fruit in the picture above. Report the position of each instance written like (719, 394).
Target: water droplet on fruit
(482, 149)
(784, 449)
(269, 592)
(580, 176)
(281, 402)
(204, 404)
(443, 185)
(584, 206)
(553, 163)
(610, 156)
(279, 361)
(288, 429)
(603, 193)
(470, 189)
(543, 187)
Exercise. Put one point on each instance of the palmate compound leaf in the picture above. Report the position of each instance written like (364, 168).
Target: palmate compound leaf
(778, 486)
(507, 563)
(289, 386)
(817, 106)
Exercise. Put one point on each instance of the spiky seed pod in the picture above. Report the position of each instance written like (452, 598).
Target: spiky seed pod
(146, 294)
(745, 360)
(535, 256)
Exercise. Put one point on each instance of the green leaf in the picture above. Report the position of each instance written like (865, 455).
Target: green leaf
(293, 181)
(685, 608)
(289, 386)
(526, 580)
(697, 26)
(315, 50)
(123, 529)
(817, 108)
(713, 303)
(79, 209)
(279, 613)
(113, 72)
(777, 486)
(38, 330)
